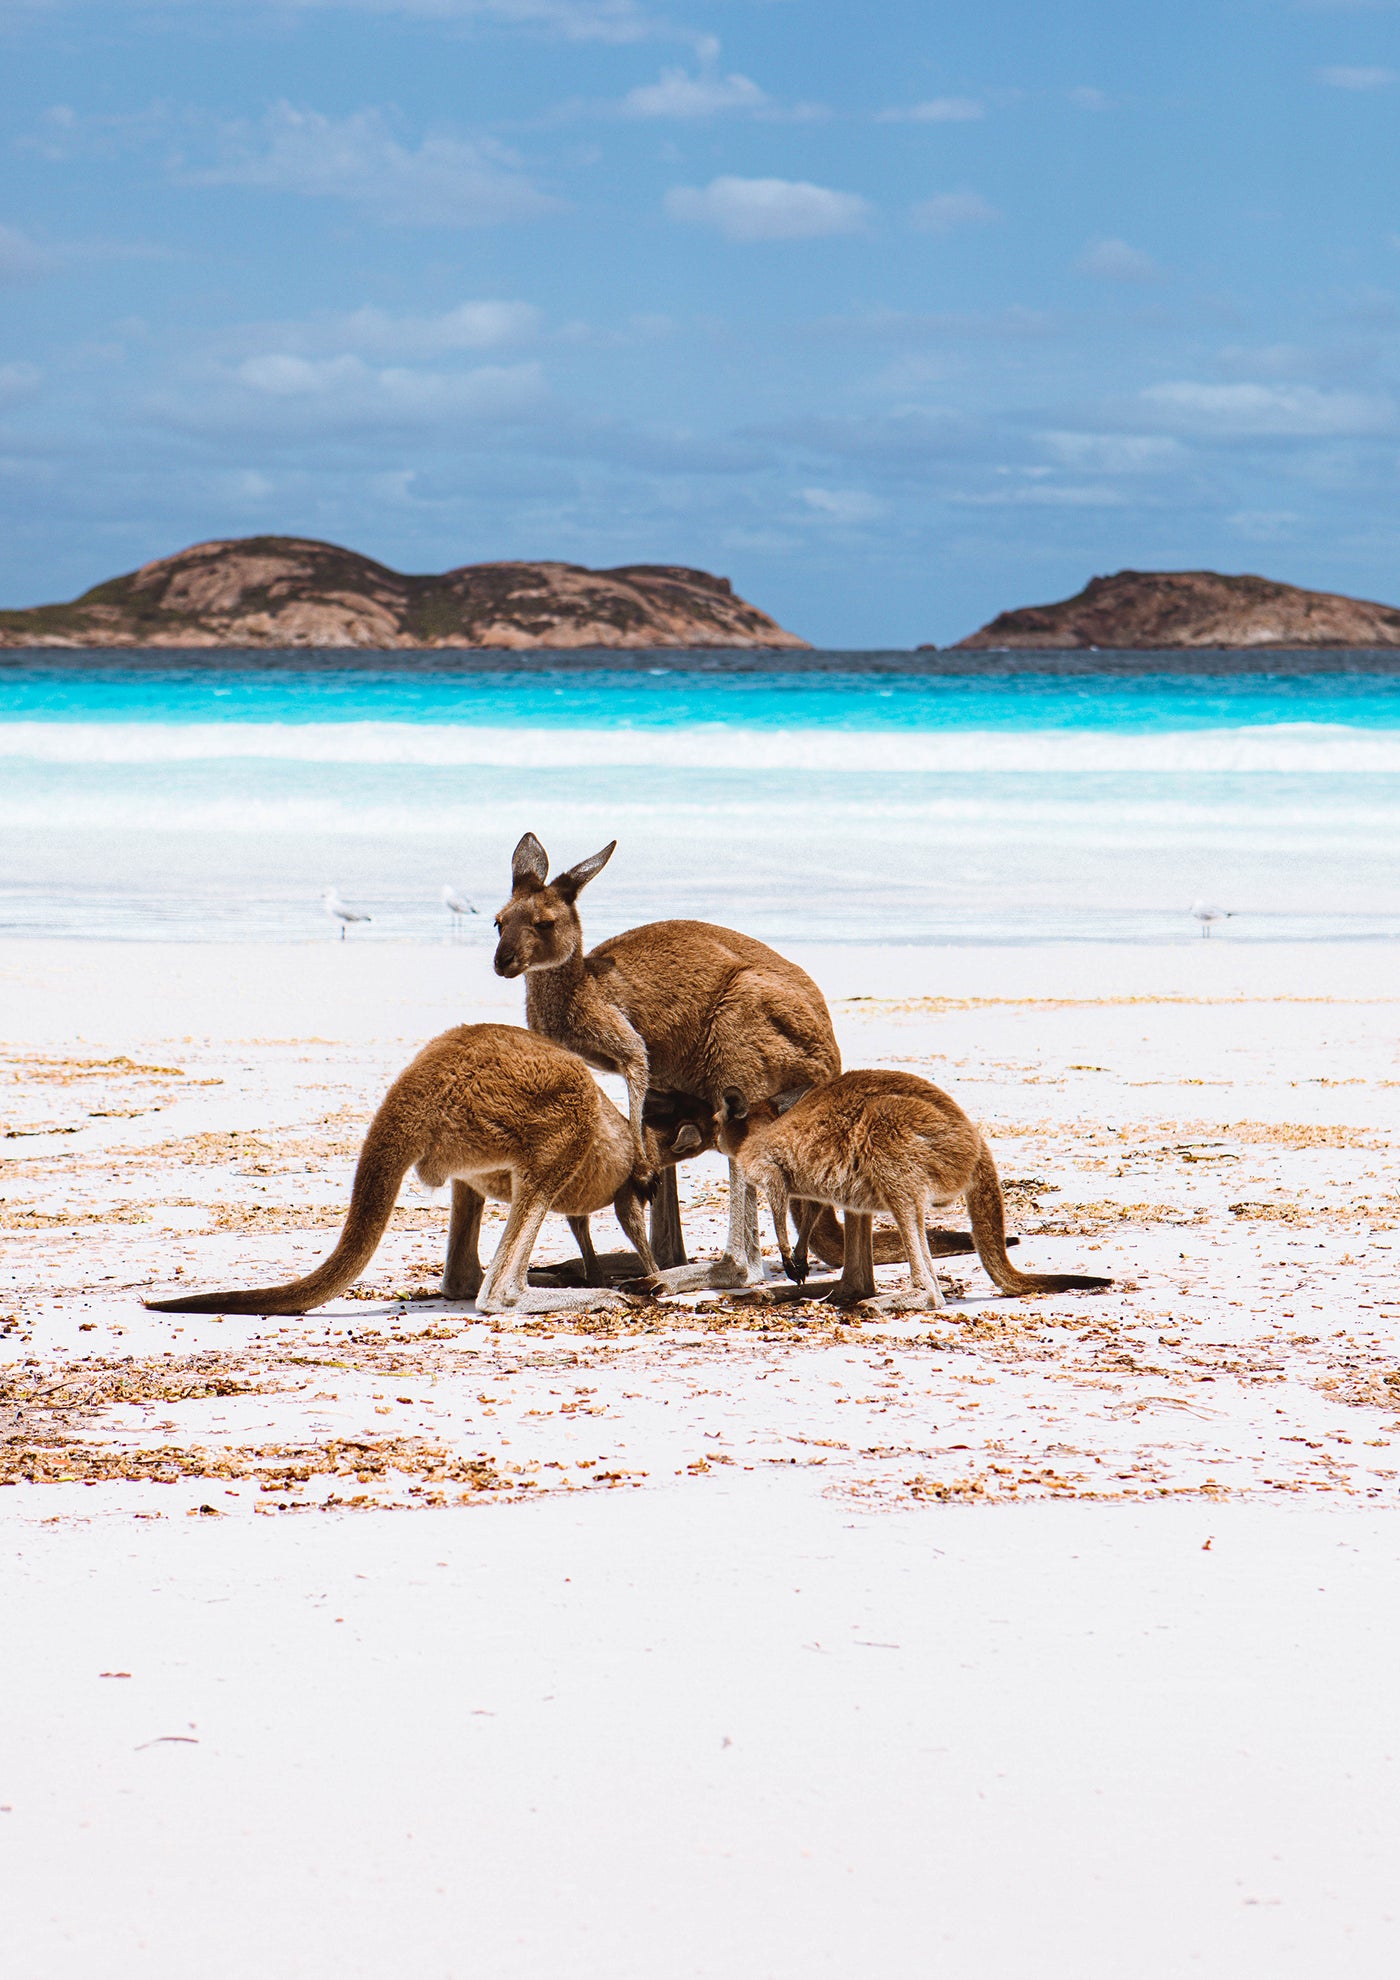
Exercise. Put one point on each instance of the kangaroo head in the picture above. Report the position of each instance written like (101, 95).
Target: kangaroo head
(733, 1120)
(539, 925)
(737, 1118)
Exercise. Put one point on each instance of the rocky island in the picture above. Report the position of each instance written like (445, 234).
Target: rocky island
(290, 591)
(1146, 610)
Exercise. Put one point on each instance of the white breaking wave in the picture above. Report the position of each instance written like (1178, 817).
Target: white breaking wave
(1288, 749)
(818, 814)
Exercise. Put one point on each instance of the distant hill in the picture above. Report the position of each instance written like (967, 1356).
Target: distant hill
(1151, 609)
(289, 591)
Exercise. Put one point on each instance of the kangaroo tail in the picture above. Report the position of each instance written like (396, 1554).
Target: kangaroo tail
(985, 1207)
(385, 1159)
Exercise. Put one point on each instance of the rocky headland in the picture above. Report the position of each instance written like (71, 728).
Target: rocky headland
(1146, 610)
(290, 591)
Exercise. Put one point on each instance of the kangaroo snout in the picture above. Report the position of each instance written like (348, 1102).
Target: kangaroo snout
(507, 960)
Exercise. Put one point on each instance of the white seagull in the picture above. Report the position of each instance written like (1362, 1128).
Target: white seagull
(1208, 915)
(457, 905)
(338, 911)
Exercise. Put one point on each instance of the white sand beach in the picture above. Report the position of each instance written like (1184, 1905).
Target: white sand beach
(1039, 1636)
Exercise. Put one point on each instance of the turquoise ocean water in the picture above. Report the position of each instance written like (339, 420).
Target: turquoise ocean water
(949, 797)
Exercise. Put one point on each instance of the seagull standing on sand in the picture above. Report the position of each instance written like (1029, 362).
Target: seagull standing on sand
(457, 906)
(1208, 915)
(338, 911)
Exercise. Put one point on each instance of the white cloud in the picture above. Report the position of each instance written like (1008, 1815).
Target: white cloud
(1115, 453)
(286, 376)
(1116, 261)
(938, 110)
(912, 435)
(21, 259)
(1285, 411)
(347, 385)
(1264, 525)
(1044, 495)
(898, 326)
(1088, 98)
(680, 94)
(281, 393)
(843, 505)
(768, 209)
(471, 326)
(62, 132)
(18, 379)
(1266, 360)
(945, 211)
(444, 182)
(573, 20)
(909, 375)
(1344, 78)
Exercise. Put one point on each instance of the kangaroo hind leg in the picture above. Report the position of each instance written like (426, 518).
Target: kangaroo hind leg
(583, 1238)
(462, 1272)
(504, 1289)
(857, 1281)
(667, 1237)
(909, 1219)
(628, 1210)
(505, 1277)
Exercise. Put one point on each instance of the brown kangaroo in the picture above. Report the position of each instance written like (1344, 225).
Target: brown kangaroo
(872, 1141)
(501, 1113)
(685, 1008)
(680, 1006)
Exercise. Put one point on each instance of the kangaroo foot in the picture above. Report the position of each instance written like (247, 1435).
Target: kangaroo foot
(719, 1275)
(914, 1300)
(569, 1273)
(781, 1295)
(610, 1269)
(853, 1303)
(558, 1299)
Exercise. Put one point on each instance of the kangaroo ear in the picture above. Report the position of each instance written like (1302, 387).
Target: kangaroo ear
(784, 1102)
(735, 1107)
(688, 1138)
(572, 883)
(529, 863)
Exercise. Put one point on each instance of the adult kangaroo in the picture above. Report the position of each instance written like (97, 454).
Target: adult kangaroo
(872, 1141)
(500, 1113)
(682, 1007)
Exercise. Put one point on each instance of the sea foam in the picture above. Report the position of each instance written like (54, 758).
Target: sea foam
(1281, 749)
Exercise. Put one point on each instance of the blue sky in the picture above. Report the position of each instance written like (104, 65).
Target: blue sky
(897, 314)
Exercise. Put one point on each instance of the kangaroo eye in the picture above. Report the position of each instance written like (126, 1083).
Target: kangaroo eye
(543, 927)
